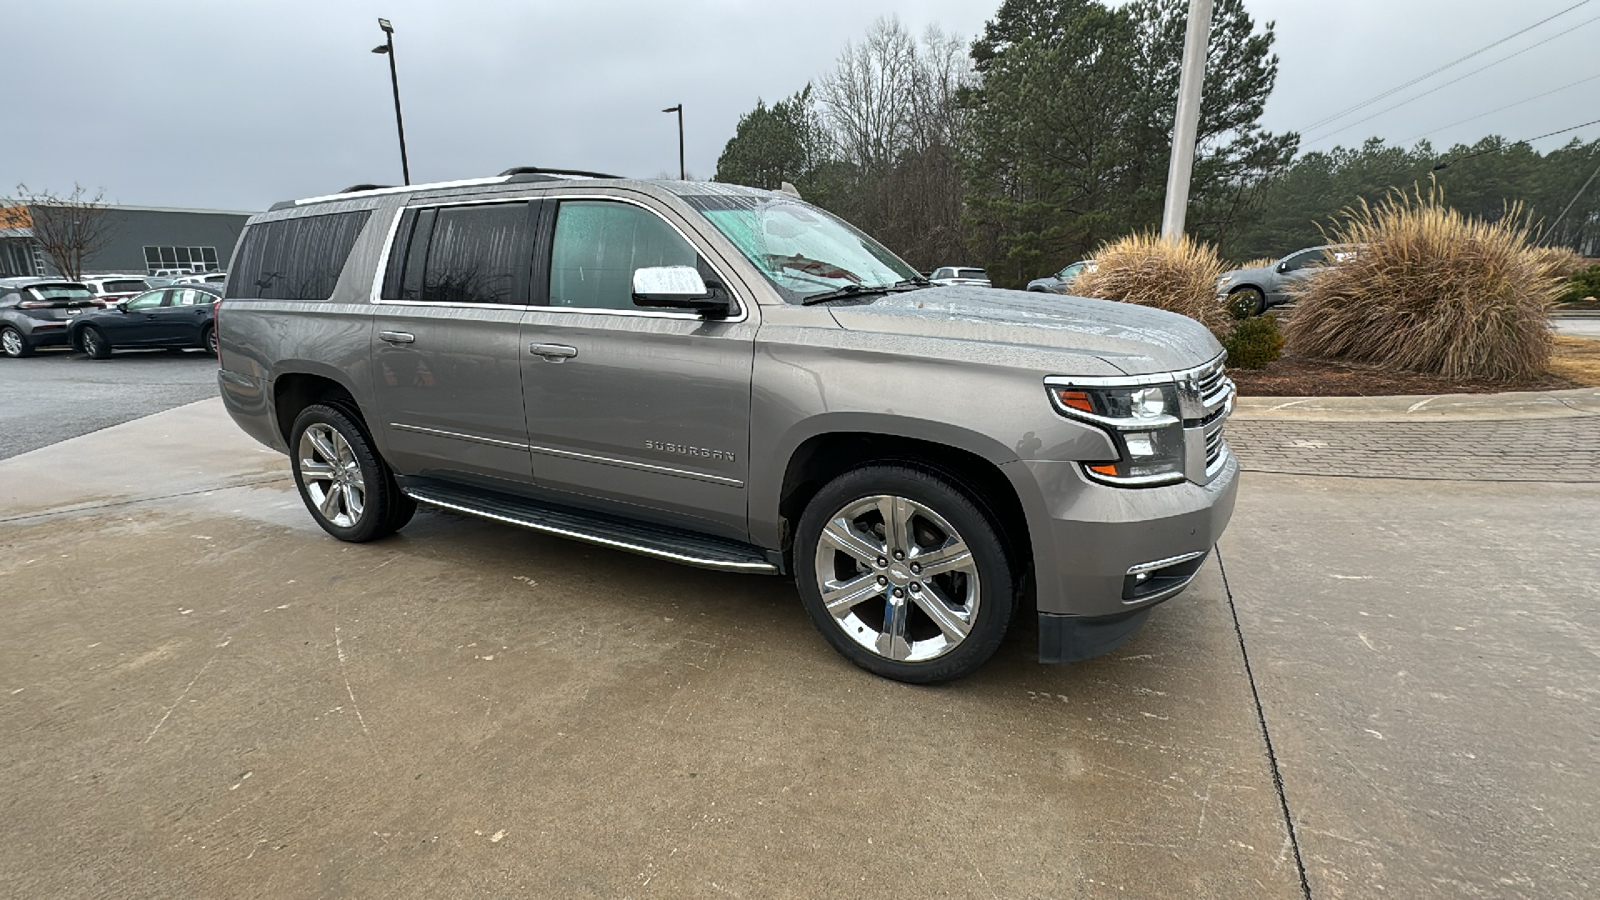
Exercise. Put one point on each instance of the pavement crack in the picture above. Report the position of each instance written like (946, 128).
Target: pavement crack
(1293, 838)
(132, 501)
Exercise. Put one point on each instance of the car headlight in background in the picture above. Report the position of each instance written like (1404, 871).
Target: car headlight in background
(1143, 421)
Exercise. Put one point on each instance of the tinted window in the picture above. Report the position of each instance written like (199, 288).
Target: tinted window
(1303, 259)
(597, 247)
(124, 287)
(971, 273)
(295, 259)
(62, 292)
(462, 254)
(148, 301)
(189, 298)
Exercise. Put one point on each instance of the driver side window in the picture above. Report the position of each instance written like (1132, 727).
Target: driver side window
(599, 244)
(151, 300)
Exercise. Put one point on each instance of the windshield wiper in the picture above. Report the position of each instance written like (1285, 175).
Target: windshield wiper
(856, 290)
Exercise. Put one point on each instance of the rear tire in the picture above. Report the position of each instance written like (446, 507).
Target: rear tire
(208, 340)
(348, 489)
(903, 574)
(13, 344)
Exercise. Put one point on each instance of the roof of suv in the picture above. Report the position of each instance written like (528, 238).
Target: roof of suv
(531, 175)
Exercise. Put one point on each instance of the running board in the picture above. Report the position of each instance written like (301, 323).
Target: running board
(685, 547)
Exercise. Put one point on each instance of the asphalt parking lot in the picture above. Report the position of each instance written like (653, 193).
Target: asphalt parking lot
(1378, 687)
(58, 394)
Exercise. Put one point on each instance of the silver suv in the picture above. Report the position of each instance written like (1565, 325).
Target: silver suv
(734, 379)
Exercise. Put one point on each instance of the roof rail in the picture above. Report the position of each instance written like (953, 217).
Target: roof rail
(535, 170)
(364, 187)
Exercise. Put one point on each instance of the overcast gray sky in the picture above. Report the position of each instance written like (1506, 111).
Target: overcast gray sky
(236, 105)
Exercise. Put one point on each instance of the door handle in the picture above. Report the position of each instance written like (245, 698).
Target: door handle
(553, 352)
(397, 337)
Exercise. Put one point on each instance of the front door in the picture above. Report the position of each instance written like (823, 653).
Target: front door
(645, 407)
(446, 343)
(140, 319)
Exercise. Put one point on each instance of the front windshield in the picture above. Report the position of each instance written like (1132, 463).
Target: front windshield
(800, 248)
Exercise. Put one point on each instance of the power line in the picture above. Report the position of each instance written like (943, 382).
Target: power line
(1387, 109)
(1394, 90)
(1450, 162)
(1499, 109)
(1551, 233)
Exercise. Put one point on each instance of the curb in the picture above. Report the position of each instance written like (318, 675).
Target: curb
(1573, 403)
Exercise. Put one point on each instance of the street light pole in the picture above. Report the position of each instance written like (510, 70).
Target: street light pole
(682, 172)
(387, 49)
(1186, 127)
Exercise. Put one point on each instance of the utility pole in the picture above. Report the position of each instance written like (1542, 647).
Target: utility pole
(682, 172)
(1185, 129)
(387, 49)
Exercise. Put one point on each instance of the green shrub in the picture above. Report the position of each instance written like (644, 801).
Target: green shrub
(1583, 284)
(1254, 342)
(1178, 276)
(1430, 290)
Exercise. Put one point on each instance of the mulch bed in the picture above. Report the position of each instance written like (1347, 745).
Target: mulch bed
(1293, 376)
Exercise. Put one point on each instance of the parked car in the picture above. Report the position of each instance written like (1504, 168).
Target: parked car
(1058, 283)
(1257, 290)
(178, 316)
(109, 289)
(202, 278)
(949, 275)
(34, 312)
(732, 378)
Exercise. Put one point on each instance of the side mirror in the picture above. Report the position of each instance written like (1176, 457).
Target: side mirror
(676, 287)
(1283, 267)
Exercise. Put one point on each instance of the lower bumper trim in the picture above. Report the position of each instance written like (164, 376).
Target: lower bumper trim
(1064, 639)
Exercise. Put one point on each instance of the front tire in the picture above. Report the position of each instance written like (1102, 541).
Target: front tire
(903, 574)
(13, 344)
(346, 486)
(94, 343)
(1247, 302)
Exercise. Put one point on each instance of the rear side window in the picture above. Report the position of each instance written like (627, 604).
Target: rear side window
(295, 259)
(124, 287)
(478, 254)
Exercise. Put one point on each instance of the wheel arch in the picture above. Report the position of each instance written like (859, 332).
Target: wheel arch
(300, 387)
(974, 468)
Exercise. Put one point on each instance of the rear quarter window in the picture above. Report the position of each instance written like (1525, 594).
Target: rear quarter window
(295, 259)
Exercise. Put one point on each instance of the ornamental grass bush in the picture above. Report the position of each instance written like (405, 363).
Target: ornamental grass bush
(1179, 276)
(1429, 290)
(1581, 285)
(1559, 262)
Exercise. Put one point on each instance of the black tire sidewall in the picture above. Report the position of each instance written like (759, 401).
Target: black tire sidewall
(91, 333)
(378, 514)
(998, 598)
(207, 336)
(22, 343)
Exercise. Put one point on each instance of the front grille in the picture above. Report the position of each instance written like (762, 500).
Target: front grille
(1214, 443)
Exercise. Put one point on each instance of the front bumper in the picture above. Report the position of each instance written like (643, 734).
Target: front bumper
(1092, 542)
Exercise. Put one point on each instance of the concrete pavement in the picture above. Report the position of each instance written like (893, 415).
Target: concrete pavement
(201, 694)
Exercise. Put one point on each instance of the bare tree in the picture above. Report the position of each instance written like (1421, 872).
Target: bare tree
(70, 227)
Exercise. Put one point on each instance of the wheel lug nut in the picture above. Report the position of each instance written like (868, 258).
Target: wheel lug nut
(882, 580)
(916, 568)
(899, 554)
(899, 593)
(882, 562)
(915, 587)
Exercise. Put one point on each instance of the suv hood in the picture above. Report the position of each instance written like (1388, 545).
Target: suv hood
(1138, 340)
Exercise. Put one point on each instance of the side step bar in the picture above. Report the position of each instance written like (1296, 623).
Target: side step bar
(607, 531)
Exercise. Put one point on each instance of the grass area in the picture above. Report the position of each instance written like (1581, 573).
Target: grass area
(1576, 359)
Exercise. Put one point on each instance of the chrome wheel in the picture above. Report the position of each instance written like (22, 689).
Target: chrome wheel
(897, 578)
(211, 341)
(11, 342)
(332, 475)
(91, 342)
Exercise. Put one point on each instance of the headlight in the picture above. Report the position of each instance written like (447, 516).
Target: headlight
(1144, 422)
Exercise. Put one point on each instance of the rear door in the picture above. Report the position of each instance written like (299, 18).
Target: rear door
(178, 322)
(649, 408)
(446, 347)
